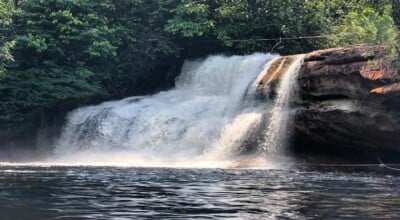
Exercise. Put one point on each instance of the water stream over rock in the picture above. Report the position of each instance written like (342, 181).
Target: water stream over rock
(210, 119)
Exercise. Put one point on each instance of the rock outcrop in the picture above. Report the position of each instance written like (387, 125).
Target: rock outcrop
(349, 100)
(272, 74)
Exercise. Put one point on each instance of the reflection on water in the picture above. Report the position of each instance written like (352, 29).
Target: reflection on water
(140, 193)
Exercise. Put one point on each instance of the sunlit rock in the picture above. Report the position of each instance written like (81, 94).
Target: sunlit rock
(349, 99)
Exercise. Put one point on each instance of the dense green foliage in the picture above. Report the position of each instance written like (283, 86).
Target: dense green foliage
(366, 25)
(72, 52)
(5, 39)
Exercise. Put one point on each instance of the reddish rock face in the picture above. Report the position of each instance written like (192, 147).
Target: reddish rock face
(388, 90)
(349, 99)
(274, 72)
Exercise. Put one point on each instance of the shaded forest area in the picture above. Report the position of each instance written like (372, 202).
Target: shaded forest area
(56, 55)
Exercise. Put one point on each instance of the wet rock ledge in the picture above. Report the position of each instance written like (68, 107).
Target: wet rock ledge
(349, 101)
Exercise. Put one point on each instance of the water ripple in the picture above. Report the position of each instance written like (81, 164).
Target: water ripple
(144, 193)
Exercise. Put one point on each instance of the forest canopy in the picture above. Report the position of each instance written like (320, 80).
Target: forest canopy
(67, 53)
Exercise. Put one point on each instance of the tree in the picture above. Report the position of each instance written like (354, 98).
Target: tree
(367, 25)
(6, 35)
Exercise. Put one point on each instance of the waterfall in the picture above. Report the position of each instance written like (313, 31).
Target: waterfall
(280, 120)
(205, 121)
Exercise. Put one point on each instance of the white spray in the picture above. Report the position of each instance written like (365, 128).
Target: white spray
(280, 114)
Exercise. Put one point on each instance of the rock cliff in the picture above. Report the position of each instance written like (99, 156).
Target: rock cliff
(349, 100)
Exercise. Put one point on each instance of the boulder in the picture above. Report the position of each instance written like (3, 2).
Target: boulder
(349, 99)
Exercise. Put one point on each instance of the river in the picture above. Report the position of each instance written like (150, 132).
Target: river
(84, 192)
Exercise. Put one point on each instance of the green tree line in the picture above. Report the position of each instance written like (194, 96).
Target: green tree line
(65, 53)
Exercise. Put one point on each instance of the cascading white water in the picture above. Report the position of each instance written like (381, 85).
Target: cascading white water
(202, 122)
(279, 120)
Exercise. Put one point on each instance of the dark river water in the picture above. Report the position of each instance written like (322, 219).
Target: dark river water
(163, 193)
